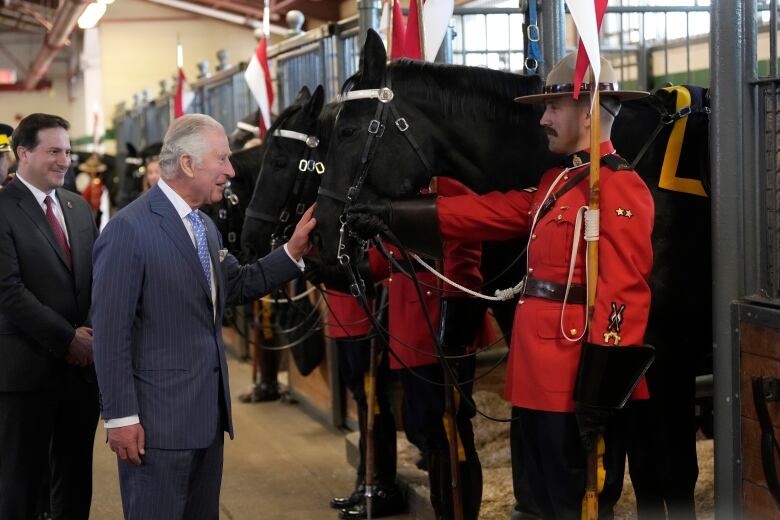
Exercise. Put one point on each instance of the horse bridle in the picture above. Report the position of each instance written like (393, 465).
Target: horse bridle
(376, 129)
(307, 165)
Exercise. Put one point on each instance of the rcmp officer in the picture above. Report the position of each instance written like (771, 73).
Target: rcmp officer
(550, 320)
(5, 151)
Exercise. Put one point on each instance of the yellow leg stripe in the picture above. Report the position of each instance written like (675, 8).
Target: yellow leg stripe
(367, 381)
(669, 179)
(266, 320)
(590, 502)
(461, 449)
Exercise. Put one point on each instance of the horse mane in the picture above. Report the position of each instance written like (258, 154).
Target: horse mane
(470, 91)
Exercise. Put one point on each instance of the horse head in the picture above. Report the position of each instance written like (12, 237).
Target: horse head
(289, 175)
(245, 131)
(401, 124)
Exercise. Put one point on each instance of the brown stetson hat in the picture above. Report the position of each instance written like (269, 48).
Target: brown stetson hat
(560, 83)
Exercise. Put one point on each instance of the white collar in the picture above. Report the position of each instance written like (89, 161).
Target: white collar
(38, 194)
(181, 206)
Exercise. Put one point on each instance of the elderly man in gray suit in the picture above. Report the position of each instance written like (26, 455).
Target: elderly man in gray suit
(161, 283)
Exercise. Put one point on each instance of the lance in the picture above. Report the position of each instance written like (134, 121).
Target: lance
(370, 383)
(450, 409)
(590, 501)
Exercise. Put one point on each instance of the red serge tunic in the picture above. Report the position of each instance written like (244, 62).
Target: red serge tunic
(410, 337)
(542, 362)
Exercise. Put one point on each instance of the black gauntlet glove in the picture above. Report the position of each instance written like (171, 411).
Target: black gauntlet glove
(606, 376)
(413, 223)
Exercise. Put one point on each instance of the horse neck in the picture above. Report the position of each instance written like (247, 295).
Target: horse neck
(484, 155)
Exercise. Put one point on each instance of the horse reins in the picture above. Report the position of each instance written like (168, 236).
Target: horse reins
(376, 129)
(307, 165)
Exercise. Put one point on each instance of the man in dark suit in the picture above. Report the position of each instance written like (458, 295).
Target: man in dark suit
(160, 287)
(48, 391)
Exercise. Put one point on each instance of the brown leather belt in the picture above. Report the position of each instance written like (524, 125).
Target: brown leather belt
(554, 291)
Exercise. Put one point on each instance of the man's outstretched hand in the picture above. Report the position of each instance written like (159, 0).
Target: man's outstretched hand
(299, 243)
(370, 219)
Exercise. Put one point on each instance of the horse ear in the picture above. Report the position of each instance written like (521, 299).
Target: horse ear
(314, 106)
(303, 96)
(373, 58)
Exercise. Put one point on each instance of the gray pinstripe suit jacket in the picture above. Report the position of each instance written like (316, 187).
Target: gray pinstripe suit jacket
(158, 350)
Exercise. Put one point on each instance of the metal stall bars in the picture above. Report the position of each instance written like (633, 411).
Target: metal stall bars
(746, 257)
(224, 96)
(325, 56)
(653, 45)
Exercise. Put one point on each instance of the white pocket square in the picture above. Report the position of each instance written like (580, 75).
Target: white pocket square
(222, 255)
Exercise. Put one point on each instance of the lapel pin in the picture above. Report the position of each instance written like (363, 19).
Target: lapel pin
(69, 204)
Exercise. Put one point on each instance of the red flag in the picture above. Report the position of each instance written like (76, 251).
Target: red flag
(582, 56)
(258, 78)
(398, 49)
(412, 41)
(183, 97)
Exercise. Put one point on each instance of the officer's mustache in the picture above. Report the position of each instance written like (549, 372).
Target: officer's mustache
(550, 131)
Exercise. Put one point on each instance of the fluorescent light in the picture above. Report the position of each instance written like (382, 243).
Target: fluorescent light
(106, 2)
(91, 15)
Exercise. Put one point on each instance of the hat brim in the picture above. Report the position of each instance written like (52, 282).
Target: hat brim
(5, 148)
(622, 95)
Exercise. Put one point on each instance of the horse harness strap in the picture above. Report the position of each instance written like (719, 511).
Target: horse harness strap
(665, 119)
(767, 389)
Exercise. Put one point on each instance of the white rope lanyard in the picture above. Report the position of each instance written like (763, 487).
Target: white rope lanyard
(501, 295)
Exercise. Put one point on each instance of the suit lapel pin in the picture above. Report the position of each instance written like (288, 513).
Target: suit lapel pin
(69, 204)
(222, 255)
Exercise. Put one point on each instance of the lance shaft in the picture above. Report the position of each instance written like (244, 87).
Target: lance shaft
(450, 411)
(591, 505)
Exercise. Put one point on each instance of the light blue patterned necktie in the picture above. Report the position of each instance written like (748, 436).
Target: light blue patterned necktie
(199, 230)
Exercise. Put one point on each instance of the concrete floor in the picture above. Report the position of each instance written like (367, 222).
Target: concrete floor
(282, 464)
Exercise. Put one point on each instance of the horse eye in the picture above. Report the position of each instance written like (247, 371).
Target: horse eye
(347, 132)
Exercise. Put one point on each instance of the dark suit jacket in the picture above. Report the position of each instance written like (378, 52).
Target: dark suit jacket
(158, 347)
(42, 299)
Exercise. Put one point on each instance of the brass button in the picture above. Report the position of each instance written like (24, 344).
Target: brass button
(559, 217)
(390, 280)
(520, 302)
(573, 331)
(533, 237)
(530, 269)
(391, 252)
(566, 177)
(428, 293)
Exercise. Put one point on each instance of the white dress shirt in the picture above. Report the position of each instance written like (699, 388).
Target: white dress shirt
(40, 197)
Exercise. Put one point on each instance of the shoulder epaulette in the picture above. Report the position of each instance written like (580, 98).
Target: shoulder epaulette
(615, 163)
(532, 189)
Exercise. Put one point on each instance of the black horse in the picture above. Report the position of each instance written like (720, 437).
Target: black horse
(288, 176)
(463, 124)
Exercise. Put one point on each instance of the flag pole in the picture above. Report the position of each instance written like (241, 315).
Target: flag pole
(266, 18)
(591, 502)
(421, 28)
(389, 6)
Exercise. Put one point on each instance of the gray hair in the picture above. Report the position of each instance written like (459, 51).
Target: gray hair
(185, 136)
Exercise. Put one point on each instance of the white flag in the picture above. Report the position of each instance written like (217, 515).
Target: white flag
(436, 18)
(258, 78)
(583, 12)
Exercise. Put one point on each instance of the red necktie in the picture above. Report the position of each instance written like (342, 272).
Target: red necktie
(55, 226)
